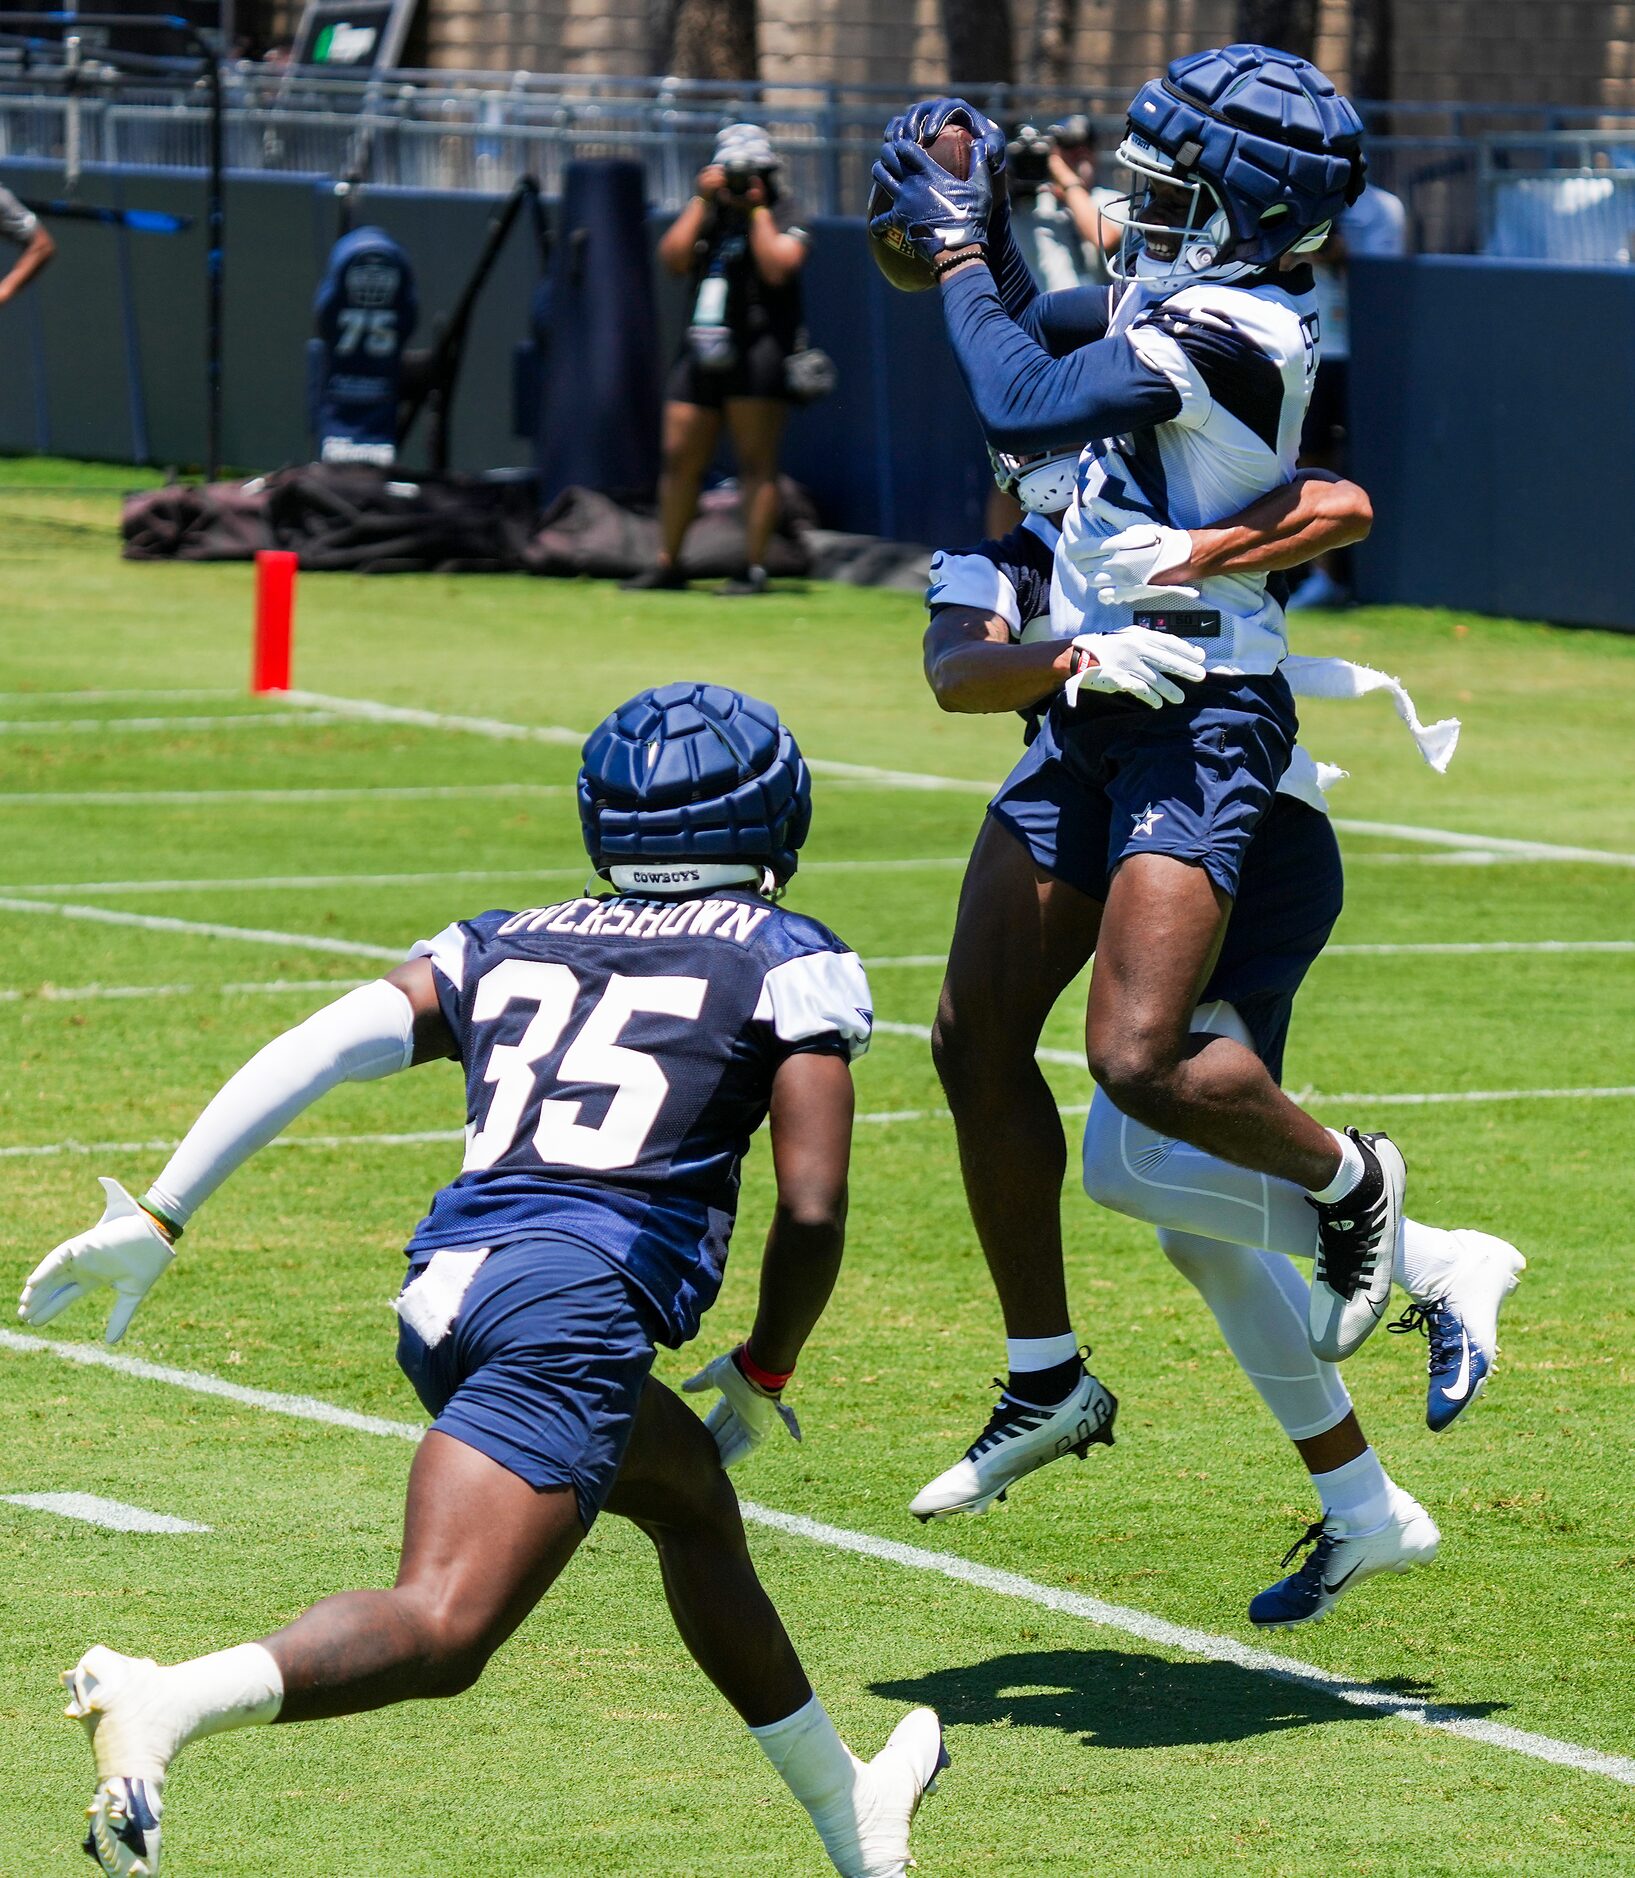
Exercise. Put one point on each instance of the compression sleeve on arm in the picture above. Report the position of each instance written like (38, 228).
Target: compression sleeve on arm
(1025, 399)
(1063, 321)
(1012, 276)
(367, 1034)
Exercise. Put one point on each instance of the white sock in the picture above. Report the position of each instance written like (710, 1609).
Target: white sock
(152, 1712)
(1025, 1353)
(814, 1764)
(1425, 1259)
(1351, 1171)
(1357, 1495)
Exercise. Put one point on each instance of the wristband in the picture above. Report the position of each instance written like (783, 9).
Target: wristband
(767, 1380)
(164, 1219)
(946, 263)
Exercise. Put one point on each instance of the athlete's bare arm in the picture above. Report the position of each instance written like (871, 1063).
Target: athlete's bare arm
(971, 664)
(37, 254)
(811, 1128)
(433, 1041)
(1311, 516)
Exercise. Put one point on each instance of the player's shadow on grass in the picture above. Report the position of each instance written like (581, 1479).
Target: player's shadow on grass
(1117, 1699)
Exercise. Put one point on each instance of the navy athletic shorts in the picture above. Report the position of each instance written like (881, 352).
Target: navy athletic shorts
(1113, 778)
(543, 1366)
(1285, 873)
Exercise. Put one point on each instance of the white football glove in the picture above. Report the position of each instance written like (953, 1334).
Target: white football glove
(745, 1415)
(124, 1250)
(1123, 566)
(1138, 662)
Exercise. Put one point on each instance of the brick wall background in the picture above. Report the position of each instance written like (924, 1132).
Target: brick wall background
(1579, 52)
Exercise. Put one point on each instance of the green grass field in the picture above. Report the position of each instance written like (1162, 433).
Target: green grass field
(593, 1746)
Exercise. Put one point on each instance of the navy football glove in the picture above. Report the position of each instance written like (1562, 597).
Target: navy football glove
(934, 212)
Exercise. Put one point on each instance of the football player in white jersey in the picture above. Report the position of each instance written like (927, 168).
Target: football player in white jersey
(1171, 726)
(989, 648)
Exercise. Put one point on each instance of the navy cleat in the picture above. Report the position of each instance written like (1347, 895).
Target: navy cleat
(1462, 1325)
(1341, 1560)
(1356, 1248)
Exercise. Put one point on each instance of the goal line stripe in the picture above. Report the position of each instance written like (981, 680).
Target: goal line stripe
(1158, 1632)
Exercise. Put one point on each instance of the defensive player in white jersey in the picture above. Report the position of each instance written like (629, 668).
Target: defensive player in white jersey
(990, 612)
(618, 1053)
(1170, 726)
(22, 227)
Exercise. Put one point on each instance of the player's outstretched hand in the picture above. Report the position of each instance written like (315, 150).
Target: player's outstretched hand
(1126, 565)
(124, 1250)
(934, 212)
(745, 1414)
(1137, 662)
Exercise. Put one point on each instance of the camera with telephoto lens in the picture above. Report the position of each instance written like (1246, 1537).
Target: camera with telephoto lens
(1027, 156)
(742, 175)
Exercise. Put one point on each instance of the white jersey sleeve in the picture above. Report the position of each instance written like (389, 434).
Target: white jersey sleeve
(819, 995)
(16, 223)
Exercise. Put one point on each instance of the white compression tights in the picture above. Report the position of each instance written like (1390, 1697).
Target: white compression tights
(1229, 1232)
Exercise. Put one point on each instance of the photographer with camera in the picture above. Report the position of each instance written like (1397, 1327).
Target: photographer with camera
(1055, 206)
(737, 244)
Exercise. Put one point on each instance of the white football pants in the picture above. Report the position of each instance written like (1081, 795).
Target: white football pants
(1230, 1232)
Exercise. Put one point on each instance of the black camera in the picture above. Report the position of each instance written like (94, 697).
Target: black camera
(743, 175)
(1027, 156)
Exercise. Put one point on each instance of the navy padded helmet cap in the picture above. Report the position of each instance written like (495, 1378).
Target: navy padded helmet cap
(694, 772)
(1281, 147)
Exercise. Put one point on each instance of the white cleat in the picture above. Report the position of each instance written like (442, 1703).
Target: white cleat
(111, 1695)
(1341, 1560)
(870, 1840)
(1020, 1437)
(1462, 1324)
(1356, 1247)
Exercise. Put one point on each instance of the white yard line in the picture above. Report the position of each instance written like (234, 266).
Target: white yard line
(95, 1511)
(374, 711)
(181, 798)
(76, 994)
(369, 711)
(1157, 1632)
(301, 883)
(50, 1150)
(160, 922)
(76, 726)
(155, 696)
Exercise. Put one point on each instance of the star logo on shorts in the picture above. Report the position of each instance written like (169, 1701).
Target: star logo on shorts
(1147, 820)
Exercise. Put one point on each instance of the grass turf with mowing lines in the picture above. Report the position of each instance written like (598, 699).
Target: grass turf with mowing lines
(592, 1740)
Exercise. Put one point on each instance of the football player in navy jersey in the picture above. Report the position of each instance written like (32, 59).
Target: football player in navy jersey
(989, 647)
(618, 1053)
(1173, 724)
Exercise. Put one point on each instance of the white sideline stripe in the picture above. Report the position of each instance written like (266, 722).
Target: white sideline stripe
(1203, 1643)
(116, 697)
(304, 1408)
(167, 798)
(161, 922)
(286, 883)
(369, 708)
(1142, 1625)
(95, 1511)
(63, 726)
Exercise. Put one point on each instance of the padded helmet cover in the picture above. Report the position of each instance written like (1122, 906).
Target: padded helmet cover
(698, 773)
(1279, 146)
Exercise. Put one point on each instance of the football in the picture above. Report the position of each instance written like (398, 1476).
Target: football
(951, 148)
